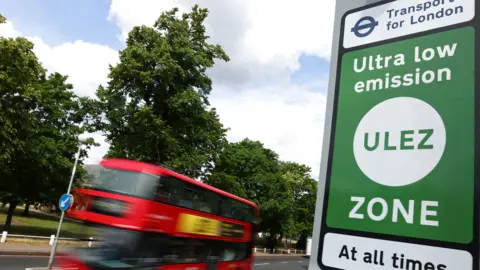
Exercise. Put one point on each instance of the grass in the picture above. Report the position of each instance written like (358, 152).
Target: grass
(43, 224)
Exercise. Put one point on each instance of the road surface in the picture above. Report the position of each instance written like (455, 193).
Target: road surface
(280, 263)
(277, 263)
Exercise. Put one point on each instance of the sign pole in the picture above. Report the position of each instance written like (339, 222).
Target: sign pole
(64, 202)
(74, 168)
(55, 242)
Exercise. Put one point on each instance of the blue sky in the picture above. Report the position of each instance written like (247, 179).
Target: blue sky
(59, 21)
(312, 68)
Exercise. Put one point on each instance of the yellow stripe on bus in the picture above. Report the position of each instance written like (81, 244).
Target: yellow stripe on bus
(198, 225)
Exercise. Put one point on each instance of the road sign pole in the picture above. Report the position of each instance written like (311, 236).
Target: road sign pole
(55, 243)
(74, 168)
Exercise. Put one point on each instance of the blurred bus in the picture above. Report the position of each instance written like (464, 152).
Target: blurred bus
(153, 218)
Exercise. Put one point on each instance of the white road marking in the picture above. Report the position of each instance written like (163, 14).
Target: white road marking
(284, 262)
(257, 264)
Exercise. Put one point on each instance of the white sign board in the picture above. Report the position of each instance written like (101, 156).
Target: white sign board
(400, 18)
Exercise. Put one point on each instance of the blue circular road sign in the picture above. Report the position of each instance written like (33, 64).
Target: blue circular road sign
(65, 202)
(364, 26)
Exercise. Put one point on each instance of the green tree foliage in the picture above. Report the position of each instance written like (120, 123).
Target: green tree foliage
(249, 170)
(284, 191)
(304, 191)
(155, 107)
(39, 122)
(244, 169)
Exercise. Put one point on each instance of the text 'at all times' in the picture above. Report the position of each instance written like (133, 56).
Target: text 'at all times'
(396, 260)
(371, 63)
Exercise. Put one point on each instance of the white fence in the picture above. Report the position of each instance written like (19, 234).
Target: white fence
(279, 250)
(51, 238)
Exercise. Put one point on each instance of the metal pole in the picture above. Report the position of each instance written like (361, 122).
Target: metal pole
(55, 243)
(74, 168)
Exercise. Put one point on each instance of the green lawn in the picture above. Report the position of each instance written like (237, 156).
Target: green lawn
(40, 224)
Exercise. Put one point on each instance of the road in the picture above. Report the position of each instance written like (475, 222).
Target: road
(285, 263)
(282, 263)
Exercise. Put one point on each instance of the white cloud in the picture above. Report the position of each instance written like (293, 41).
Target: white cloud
(253, 92)
(96, 153)
(288, 120)
(7, 30)
(286, 28)
(85, 63)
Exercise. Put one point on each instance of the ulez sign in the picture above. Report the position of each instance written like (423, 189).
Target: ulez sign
(393, 153)
(399, 189)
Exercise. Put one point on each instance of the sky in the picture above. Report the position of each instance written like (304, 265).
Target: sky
(273, 89)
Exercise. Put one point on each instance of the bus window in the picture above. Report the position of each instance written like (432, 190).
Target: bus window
(163, 193)
(191, 197)
(242, 211)
(176, 192)
(210, 202)
(169, 190)
(225, 208)
(124, 182)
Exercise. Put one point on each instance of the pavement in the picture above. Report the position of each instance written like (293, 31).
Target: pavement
(27, 250)
(260, 263)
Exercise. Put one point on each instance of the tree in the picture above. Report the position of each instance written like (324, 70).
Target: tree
(40, 118)
(251, 171)
(245, 169)
(284, 191)
(155, 107)
(304, 191)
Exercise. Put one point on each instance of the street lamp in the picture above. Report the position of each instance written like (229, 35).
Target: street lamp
(82, 138)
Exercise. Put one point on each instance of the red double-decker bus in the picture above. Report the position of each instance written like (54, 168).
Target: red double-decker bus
(154, 218)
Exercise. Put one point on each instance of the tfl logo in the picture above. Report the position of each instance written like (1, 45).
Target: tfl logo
(364, 26)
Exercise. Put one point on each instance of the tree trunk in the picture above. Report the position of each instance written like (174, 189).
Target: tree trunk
(8, 222)
(25, 211)
(280, 239)
(272, 241)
